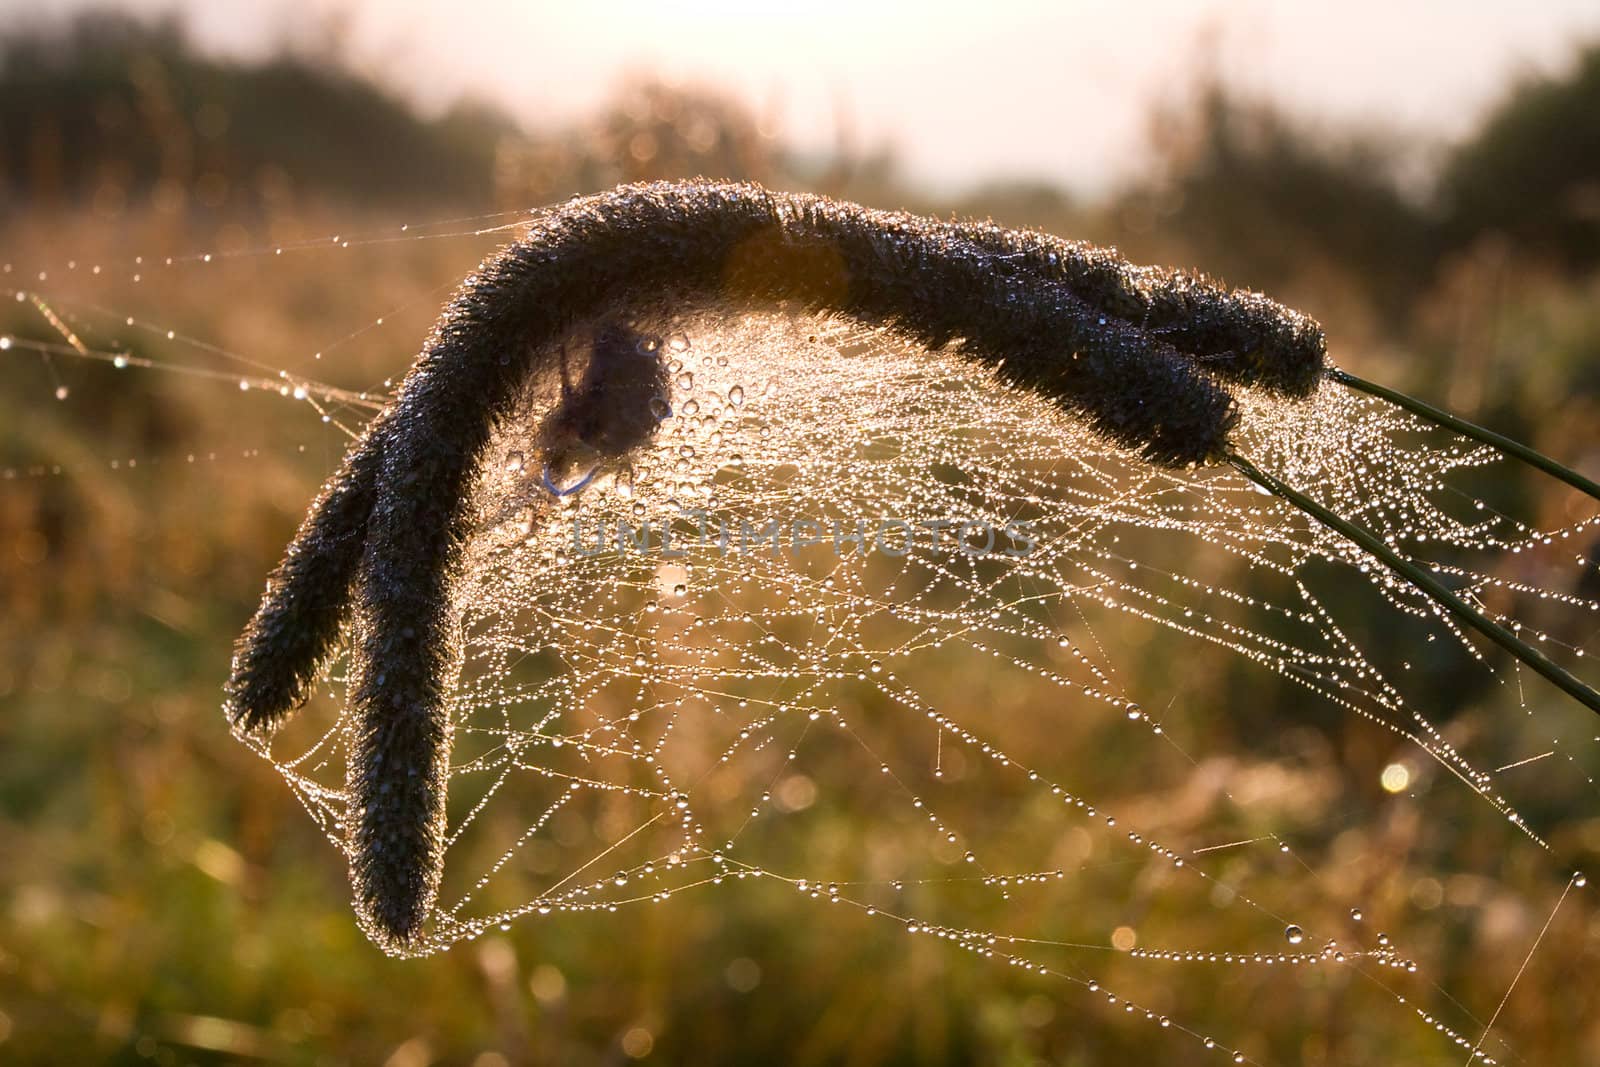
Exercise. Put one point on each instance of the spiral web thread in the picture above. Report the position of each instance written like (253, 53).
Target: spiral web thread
(644, 721)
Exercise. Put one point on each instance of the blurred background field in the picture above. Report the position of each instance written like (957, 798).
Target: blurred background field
(163, 896)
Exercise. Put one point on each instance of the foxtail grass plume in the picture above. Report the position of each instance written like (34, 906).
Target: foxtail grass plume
(1146, 357)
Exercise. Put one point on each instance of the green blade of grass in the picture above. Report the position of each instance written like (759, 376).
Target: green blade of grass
(1424, 582)
(1461, 426)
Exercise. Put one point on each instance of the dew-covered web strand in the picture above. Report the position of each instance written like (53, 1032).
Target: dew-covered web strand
(528, 598)
(331, 403)
(1422, 579)
(135, 268)
(1575, 880)
(797, 746)
(1499, 442)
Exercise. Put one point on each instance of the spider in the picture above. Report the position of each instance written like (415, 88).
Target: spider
(1144, 356)
(613, 409)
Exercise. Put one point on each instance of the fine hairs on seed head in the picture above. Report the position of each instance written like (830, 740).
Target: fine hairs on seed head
(1142, 356)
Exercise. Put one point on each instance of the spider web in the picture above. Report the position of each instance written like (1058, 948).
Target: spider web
(864, 628)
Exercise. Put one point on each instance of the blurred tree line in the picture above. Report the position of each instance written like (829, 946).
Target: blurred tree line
(117, 114)
(1266, 194)
(112, 112)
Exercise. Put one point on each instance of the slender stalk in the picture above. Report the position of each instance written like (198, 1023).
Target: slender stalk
(1425, 582)
(1468, 429)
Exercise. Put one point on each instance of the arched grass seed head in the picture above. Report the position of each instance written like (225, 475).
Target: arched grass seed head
(1143, 356)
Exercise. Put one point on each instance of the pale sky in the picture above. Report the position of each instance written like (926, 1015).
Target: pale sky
(959, 90)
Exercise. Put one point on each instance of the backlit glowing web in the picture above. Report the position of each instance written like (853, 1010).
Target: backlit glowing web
(863, 627)
(855, 583)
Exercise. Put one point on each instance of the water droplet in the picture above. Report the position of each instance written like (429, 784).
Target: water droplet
(678, 342)
(1355, 915)
(736, 396)
(61, 392)
(660, 408)
(1294, 935)
(567, 473)
(686, 380)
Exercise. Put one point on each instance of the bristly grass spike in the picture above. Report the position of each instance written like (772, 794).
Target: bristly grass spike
(1145, 357)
